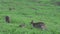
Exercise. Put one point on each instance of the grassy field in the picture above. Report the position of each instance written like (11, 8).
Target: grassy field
(23, 11)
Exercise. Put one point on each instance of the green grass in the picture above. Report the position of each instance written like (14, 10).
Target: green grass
(27, 10)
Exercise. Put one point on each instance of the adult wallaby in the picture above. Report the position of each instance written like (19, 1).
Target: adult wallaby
(40, 25)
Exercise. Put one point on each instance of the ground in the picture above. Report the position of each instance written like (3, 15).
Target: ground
(24, 11)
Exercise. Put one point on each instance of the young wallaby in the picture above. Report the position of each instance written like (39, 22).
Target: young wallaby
(40, 25)
(7, 19)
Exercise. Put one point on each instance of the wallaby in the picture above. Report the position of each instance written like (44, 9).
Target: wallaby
(7, 19)
(40, 25)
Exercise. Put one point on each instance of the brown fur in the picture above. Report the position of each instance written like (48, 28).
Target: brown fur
(7, 19)
(40, 25)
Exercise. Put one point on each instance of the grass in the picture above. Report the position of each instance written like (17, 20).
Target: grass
(27, 10)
